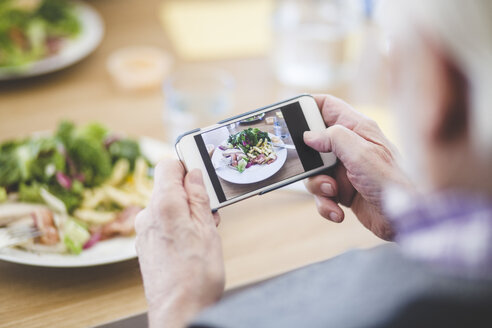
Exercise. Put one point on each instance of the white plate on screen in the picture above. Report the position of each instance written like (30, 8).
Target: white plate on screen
(72, 51)
(253, 174)
(105, 252)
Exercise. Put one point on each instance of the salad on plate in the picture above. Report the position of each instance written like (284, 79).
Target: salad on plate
(78, 186)
(248, 147)
(31, 30)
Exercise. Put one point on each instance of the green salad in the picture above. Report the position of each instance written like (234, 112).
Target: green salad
(78, 186)
(247, 139)
(33, 29)
(247, 148)
(64, 164)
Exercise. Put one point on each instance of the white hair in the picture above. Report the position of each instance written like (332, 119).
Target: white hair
(463, 29)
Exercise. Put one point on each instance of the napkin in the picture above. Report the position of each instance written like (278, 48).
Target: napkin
(217, 29)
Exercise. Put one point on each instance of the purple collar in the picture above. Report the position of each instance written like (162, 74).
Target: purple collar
(451, 230)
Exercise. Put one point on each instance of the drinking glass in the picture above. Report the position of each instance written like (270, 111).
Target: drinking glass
(315, 41)
(280, 128)
(194, 98)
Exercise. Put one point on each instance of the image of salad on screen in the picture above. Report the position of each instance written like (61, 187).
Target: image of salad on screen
(78, 186)
(251, 153)
(31, 30)
(248, 147)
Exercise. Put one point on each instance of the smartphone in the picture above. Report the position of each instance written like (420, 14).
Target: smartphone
(255, 152)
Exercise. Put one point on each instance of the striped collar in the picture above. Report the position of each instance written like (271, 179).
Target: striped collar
(451, 230)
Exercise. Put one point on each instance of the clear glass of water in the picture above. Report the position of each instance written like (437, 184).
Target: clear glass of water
(194, 98)
(280, 128)
(314, 41)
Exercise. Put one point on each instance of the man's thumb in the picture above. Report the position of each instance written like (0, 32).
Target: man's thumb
(197, 196)
(343, 142)
(318, 140)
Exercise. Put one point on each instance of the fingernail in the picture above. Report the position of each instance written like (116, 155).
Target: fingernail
(334, 217)
(196, 177)
(327, 189)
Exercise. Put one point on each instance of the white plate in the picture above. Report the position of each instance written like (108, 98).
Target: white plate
(72, 51)
(253, 174)
(105, 252)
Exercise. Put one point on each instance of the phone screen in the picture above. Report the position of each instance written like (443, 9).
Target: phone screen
(256, 152)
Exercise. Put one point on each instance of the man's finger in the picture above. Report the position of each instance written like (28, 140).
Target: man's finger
(321, 185)
(345, 189)
(168, 173)
(328, 209)
(168, 195)
(198, 199)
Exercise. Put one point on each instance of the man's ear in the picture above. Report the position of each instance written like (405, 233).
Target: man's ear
(451, 122)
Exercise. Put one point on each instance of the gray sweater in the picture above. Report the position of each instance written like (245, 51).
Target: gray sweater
(367, 288)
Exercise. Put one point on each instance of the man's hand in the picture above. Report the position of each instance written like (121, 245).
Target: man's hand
(179, 248)
(367, 163)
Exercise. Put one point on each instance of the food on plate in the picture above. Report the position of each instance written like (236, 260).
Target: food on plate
(79, 186)
(270, 120)
(254, 118)
(34, 29)
(249, 147)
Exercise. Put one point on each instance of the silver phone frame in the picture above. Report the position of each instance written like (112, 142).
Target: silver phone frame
(187, 141)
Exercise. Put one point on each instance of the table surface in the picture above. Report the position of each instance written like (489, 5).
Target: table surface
(288, 234)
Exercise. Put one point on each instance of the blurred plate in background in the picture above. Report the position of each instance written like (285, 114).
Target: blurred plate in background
(71, 52)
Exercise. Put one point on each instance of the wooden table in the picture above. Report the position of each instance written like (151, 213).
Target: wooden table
(287, 235)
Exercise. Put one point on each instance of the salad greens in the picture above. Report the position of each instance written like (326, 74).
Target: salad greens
(75, 236)
(249, 147)
(3, 194)
(85, 149)
(65, 164)
(241, 165)
(247, 139)
(33, 29)
(124, 148)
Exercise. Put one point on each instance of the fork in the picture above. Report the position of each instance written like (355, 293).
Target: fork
(279, 145)
(16, 235)
(223, 163)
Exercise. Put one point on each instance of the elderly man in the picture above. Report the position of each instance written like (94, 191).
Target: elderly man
(438, 207)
